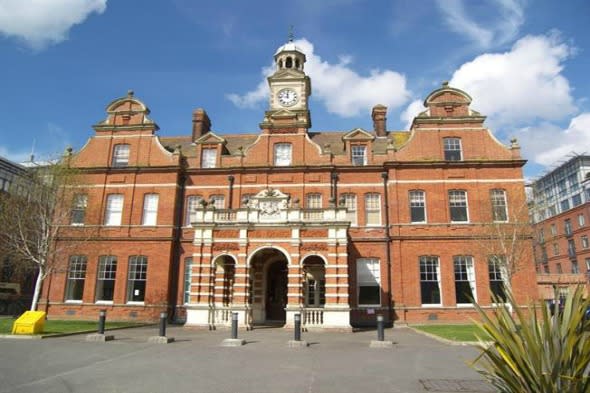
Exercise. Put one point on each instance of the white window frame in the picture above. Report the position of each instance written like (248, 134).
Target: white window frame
(283, 154)
(498, 273)
(350, 203)
(465, 274)
(78, 213)
(150, 209)
(431, 273)
(372, 209)
(188, 265)
(358, 155)
(218, 201)
(581, 220)
(192, 203)
(76, 274)
(114, 210)
(136, 278)
(584, 241)
(498, 201)
(368, 274)
(121, 155)
(105, 274)
(313, 206)
(417, 200)
(451, 145)
(457, 199)
(209, 157)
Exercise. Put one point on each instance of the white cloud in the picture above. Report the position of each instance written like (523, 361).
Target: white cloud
(411, 111)
(13, 155)
(503, 21)
(520, 85)
(547, 144)
(40, 23)
(341, 89)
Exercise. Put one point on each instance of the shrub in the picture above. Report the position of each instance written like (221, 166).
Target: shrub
(534, 351)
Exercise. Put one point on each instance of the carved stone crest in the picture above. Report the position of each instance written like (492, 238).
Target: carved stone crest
(269, 202)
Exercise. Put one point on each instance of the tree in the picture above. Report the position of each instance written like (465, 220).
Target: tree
(33, 216)
(506, 241)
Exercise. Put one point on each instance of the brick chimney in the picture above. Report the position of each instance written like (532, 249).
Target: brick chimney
(201, 123)
(379, 120)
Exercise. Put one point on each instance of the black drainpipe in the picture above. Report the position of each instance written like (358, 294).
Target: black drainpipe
(385, 177)
(231, 179)
(333, 191)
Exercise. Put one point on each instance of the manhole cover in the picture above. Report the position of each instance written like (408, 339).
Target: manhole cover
(456, 385)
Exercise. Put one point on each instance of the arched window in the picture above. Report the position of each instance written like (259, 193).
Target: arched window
(289, 62)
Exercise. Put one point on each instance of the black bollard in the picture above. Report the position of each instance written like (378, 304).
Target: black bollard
(163, 318)
(234, 325)
(102, 316)
(380, 333)
(297, 319)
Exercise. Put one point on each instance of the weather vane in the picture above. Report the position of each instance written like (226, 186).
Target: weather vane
(291, 33)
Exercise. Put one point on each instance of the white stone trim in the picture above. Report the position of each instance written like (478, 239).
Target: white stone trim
(336, 295)
(336, 275)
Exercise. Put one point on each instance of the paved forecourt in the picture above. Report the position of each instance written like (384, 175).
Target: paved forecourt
(196, 362)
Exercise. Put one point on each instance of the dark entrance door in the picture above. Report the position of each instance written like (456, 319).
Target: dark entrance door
(276, 292)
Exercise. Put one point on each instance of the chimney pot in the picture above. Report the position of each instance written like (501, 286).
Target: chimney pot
(379, 120)
(201, 123)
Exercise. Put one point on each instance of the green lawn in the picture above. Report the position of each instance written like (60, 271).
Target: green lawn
(58, 326)
(452, 332)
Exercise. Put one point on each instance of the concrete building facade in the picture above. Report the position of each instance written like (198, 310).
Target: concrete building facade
(338, 226)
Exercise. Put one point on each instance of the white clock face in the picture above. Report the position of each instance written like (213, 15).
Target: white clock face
(287, 97)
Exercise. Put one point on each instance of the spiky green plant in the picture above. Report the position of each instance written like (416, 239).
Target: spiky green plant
(534, 351)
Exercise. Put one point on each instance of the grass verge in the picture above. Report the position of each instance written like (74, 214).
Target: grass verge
(62, 326)
(453, 332)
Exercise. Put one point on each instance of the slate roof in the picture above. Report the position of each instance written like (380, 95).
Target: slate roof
(323, 139)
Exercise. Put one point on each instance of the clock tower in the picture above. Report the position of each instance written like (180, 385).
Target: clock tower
(289, 91)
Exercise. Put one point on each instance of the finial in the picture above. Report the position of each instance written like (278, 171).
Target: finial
(129, 93)
(445, 83)
(291, 35)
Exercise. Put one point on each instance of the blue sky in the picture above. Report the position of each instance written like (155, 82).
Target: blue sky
(525, 64)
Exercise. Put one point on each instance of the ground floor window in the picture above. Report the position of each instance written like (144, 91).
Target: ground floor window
(105, 281)
(495, 266)
(136, 278)
(76, 278)
(368, 281)
(188, 263)
(464, 279)
(429, 280)
(315, 293)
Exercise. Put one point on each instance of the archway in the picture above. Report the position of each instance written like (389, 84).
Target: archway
(269, 286)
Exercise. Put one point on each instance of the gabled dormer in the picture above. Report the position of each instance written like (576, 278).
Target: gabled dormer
(210, 147)
(127, 114)
(358, 144)
(448, 106)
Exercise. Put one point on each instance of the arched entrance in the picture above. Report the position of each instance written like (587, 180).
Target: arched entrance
(276, 292)
(268, 275)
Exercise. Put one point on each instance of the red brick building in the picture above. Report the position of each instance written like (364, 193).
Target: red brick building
(560, 211)
(338, 226)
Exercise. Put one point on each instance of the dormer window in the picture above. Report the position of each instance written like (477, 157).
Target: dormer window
(452, 148)
(283, 153)
(359, 155)
(121, 155)
(209, 158)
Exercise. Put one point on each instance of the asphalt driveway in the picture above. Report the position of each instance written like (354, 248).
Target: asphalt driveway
(334, 362)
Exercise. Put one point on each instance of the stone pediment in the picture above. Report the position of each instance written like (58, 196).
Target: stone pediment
(358, 134)
(283, 113)
(210, 138)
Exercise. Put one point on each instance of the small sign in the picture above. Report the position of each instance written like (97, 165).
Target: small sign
(370, 311)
